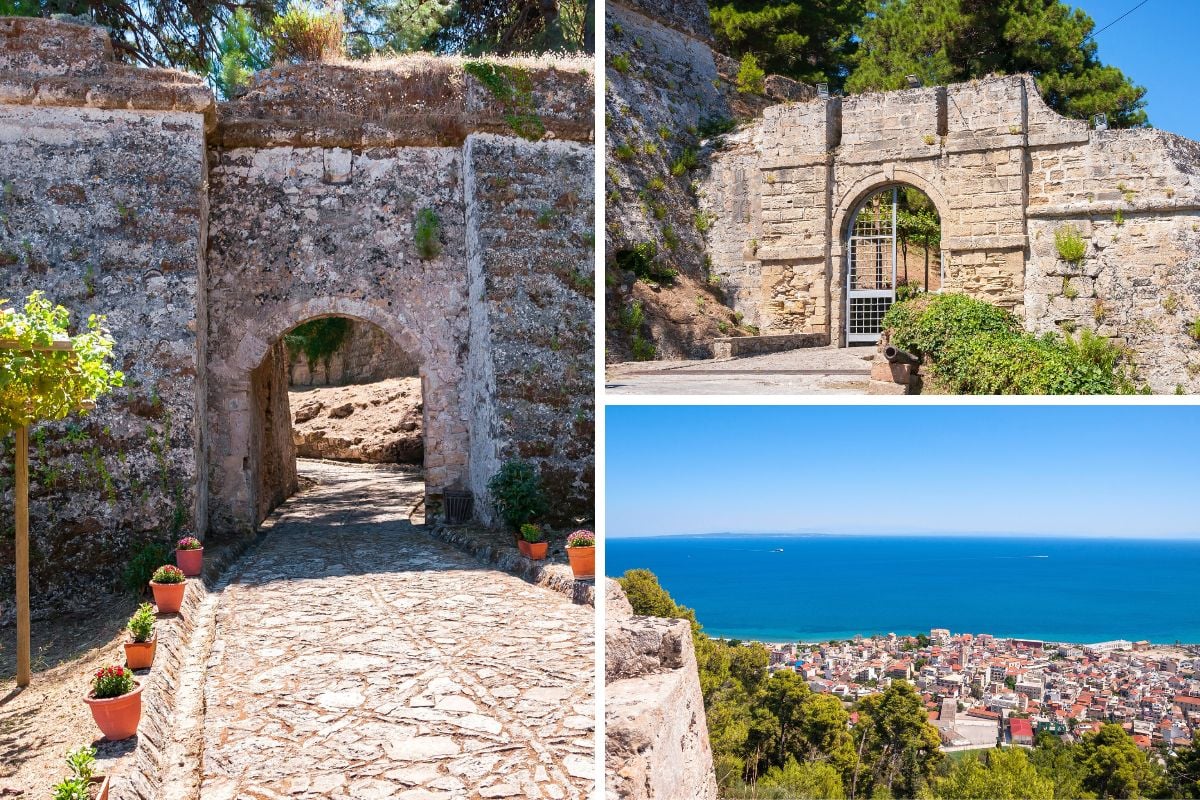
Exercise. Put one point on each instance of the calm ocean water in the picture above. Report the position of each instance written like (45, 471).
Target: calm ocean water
(818, 587)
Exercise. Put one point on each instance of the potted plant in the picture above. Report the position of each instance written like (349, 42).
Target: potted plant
(168, 584)
(116, 702)
(189, 555)
(83, 784)
(517, 495)
(139, 650)
(581, 549)
(533, 541)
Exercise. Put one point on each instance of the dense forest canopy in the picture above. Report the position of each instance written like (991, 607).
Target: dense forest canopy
(228, 39)
(867, 45)
(773, 737)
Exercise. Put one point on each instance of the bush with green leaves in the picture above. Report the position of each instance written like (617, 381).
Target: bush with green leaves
(1070, 245)
(427, 234)
(168, 573)
(141, 624)
(517, 493)
(532, 533)
(111, 682)
(751, 78)
(82, 763)
(140, 568)
(925, 324)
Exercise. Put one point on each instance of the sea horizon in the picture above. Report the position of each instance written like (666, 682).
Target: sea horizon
(824, 587)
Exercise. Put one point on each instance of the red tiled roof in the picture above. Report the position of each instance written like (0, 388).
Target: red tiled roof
(1020, 727)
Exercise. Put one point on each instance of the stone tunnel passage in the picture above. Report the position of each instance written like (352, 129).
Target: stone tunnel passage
(334, 388)
(355, 656)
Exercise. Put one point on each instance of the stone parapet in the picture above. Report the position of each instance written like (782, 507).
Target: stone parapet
(738, 346)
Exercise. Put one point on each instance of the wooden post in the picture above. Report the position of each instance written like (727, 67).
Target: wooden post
(22, 514)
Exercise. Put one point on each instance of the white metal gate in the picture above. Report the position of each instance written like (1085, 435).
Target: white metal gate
(871, 266)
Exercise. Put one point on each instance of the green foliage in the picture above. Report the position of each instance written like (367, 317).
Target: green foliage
(317, 339)
(925, 325)
(241, 52)
(751, 79)
(631, 317)
(1194, 329)
(517, 494)
(1070, 245)
(141, 624)
(624, 152)
(427, 233)
(619, 62)
(947, 41)
(1115, 767)
(82, 763)
(168, 573)
(814, 780)
(1007, 775)
(908, 290)
(532, 533)
(513, 87)
(715, 126)
(306, 33)
(507, 27)
(49, 385)
(642, 261)
(687, 160)
(112, 682)
(1006, 363)
(900, 747)
(389, 27)
(140, 567)
(643, 349)
(802, 39)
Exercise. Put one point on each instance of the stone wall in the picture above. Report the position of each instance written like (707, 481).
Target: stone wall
(102, 207)
(206, 232)
(656, 733)
(1004, 172)
(366, 355)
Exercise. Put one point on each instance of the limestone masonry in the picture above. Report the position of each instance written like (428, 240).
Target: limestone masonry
(205, 231)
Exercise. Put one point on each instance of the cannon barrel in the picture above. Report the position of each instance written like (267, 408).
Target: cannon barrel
(895, 355)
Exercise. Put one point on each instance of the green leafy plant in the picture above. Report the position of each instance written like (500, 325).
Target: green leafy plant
(532, 533)
(427, 234)
(140, 567)
(111, 682)
(642, 261)
(1070, 245)
(517, 494)
(751, 78)
(714, 126)
(168, 573)
(82, 763)
(908, 290)
(318, 339)
(687, 160)
(624, 152)
(1068, 289)
(643, 349)
(630, 317)
(513, 87)
(620, 62)
(141, 624)
(656, 184)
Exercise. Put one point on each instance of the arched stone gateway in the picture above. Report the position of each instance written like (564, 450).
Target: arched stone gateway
(1004, 173)
(206, 230)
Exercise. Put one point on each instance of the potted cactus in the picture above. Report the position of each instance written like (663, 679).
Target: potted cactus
(139, 650)
(581, 550)
(116, 702)
(189, 555)
(168, 585)
(533, 541)
(84, 783)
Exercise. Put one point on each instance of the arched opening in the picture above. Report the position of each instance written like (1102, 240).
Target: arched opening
(333, 390)
(893, 252)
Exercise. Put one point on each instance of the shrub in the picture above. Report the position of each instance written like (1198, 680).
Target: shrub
(581, 538)
(82, 762)
(643, 262)
(427, 234)
(908, 290)
(624, 152)
(188, 543)
(643, 349)
(141, 566)
(112, 682)
(168, 573)
(751, 79)
(631, 317)
(620, 62)
(517, 493)
(1071, 247)
(304, 33)
(925, 324)
(687, 160)
(532, 533)
(141, 624)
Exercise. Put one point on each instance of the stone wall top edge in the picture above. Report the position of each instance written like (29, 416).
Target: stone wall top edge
(688, 17)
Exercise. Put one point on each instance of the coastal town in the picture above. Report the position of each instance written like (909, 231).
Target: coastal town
(983, 690)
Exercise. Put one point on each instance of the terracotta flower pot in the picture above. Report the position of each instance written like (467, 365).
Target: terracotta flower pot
(117, 717)
(190, 561)
(583, 561)
(537, 550)
(140, 655)
(168, 596)
(523, 546)
(100, 781)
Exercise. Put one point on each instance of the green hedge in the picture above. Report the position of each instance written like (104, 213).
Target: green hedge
(973, 347)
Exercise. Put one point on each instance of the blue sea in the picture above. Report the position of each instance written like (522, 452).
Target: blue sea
(820, 587)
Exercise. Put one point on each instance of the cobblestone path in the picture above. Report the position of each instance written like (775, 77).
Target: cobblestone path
(356, 657)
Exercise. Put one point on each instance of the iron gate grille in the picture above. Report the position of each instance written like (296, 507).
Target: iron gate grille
(871, 266)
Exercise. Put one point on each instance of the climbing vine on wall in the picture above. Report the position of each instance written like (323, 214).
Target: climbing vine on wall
(317, 339)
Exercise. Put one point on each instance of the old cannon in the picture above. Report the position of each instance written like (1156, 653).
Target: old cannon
(895, 355)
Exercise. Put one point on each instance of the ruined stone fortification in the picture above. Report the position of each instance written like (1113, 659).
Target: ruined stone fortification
(1005, 172)
(656, 733)
(205, 231)
(366, 355)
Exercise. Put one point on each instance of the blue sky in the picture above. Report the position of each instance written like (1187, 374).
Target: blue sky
(1129, 471)
(1156, 46)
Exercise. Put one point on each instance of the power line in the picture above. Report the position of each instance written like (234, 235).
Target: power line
(1115, 21)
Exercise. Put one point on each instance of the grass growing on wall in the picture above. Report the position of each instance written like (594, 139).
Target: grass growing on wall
(513, 87)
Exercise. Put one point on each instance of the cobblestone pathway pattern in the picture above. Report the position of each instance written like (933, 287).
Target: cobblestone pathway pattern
(356, 657)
